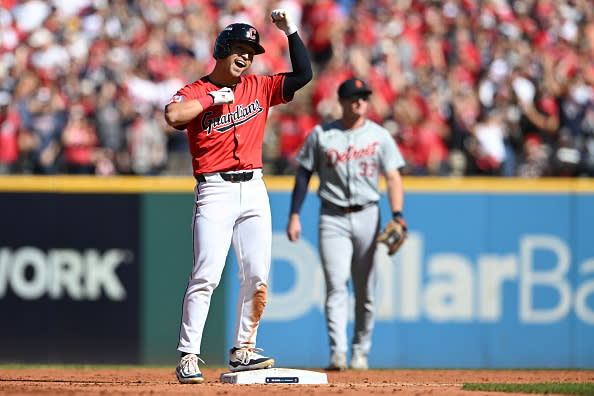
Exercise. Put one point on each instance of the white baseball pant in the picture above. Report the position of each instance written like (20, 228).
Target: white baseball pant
(224, 213)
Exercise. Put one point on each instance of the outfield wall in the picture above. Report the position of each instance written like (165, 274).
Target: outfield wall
(496, 273)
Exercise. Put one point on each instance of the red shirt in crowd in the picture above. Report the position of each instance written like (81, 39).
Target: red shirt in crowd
(9, 137)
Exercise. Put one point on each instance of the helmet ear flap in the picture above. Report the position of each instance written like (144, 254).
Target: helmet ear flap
(222, 50)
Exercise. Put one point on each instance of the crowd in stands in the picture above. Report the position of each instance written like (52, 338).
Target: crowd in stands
(466, 87)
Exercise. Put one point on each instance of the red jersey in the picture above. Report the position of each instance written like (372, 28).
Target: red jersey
(229, 137)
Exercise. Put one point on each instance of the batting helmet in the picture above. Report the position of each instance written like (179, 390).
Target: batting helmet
(240, 32)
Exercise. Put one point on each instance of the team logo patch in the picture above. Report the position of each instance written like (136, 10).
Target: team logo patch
(177, 99)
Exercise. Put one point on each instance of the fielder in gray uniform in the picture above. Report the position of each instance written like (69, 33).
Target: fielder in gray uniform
(348, 155)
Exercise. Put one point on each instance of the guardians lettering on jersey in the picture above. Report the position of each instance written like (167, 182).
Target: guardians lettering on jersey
(224, 122)
(334, 157)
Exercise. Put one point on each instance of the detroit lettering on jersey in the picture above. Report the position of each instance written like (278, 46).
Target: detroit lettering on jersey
(334, 157)
(224, 122)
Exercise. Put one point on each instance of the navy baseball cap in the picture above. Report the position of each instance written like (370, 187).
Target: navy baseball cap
(353, 87)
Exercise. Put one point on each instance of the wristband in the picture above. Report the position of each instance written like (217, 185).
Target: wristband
(397, 215)
(206, 101)
(290, 29)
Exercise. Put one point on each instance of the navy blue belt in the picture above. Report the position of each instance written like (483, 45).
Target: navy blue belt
(347, 209)
(230, 177)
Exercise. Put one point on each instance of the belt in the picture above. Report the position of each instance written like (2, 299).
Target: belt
(231, 177)
(348, 209)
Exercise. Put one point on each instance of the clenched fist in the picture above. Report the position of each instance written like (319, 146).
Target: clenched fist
(222, 96)
(283, 21)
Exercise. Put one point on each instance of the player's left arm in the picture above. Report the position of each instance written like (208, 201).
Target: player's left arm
(391, 162)
(300, 62)
(298, 196)
(395, 190)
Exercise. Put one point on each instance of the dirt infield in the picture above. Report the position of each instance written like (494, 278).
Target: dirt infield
(162, 381)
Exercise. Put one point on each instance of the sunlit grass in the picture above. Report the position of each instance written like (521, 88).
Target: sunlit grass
(563, 388)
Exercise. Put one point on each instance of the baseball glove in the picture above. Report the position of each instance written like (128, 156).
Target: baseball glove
(394, 234)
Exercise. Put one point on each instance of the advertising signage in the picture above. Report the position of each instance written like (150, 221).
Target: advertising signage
(69, 278)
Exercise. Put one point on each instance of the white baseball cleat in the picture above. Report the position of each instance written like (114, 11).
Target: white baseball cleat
(338, 361)
(242, 359)
(359, 362)
(187, 370)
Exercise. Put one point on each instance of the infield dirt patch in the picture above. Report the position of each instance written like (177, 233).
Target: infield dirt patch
(162, 381)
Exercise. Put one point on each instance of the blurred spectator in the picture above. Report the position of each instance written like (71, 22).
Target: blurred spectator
(533, 161)
(80, 142)
(25, 88)
(294, 125)
(324, 99)
(488, 147)
(420, 136)
(9, 135)
(110, 121)
(48, 58)
(588, 144)
(30, 14)
(540, 113)
(147, 143)
(45, 118)
(324, 24)
(463, 113)
(179, 160)
(572, 96)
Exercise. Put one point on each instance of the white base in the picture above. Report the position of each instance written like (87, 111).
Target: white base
(275, 376)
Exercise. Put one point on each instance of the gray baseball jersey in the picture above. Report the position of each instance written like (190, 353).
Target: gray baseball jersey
(348, 162)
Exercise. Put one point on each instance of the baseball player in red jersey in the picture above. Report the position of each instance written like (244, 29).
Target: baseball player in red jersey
(224, 114)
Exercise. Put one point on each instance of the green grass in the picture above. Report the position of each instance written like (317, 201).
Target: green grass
(563, 388)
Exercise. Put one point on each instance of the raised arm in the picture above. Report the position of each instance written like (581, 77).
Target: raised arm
(300, 62)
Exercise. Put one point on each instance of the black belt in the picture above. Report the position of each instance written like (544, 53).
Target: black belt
(348, 209)
(230, 177)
